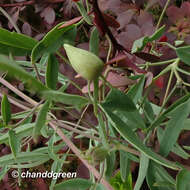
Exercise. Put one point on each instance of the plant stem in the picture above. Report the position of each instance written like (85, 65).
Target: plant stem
(110, 48)
(18, 92)
(10, 20)
(78, 153)
(167, 44)
(182, 71)
(120, 146)
(89, 91)
(162, 14)
(95, 99)
(37, 72)
(168, 87)
(108, 83)
(87, 6)
(29, 114)
(63, 58)
(158, 63)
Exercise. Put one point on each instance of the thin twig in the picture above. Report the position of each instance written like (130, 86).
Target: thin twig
(29, 114)
(18, 92)
(162, 14)
(78, 154)
(10, 19)
(75, 130)
(16, 103)
(36, 70)
(84, 111)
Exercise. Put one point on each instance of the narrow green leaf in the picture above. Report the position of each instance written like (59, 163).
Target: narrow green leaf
(14, 70)
(51, 42)
(131, 137)
(110, 163)
(52, 72)
(186, 124)
(162, 184)
(139, 44)
(186, 147)
(94, 41)
(5, 110)
(22, 157)
(56, 167)
(51, 151)
(157, 173)
(34, 84)
(83, 12)
(132, 119)
(16, 44)
(3, 172)
(123, 106)
(174, 127)
(21, 131)
(183, 180)
(125, 164)
(148, 111)
(117, 100)
(184, 54)
(14, 143)
(178, 42)
(135, 92)
(65, 98)
(39, 162)
(74, 184)
(144, 162)
(41, 119)
(176, 148)
(102, 130)
(157, 34)
(177, 103)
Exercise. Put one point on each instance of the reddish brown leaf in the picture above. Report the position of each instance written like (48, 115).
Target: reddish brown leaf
(123, 61)
(70, 22)
(49, 15)
(147, 57)
(149, 77)
(119, 57)
(130, 63)
(111, 21)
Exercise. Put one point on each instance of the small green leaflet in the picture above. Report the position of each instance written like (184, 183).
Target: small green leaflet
(5, 110)
(41, 119)
(184, 54)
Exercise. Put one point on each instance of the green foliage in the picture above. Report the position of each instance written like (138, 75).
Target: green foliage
(184, 54)
(118, 184)
(83, 12)
(53, 40)
(144, 162)
(139, 44)
(14, 143)
(75, 184)
(5, 110)
(15, 44)
(183, 180)
(52, 71)
(41, 119)
(124, 123)
(94, 41)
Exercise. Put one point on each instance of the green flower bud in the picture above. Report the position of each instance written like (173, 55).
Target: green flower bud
(85, 63)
